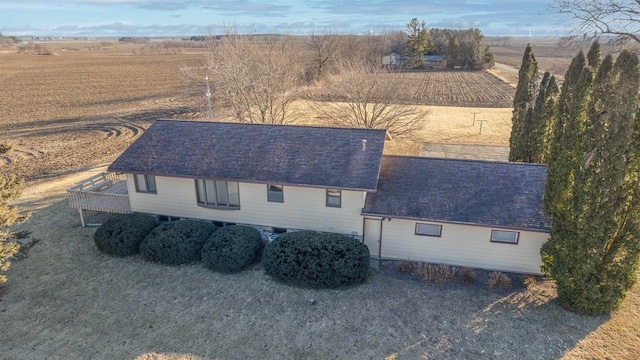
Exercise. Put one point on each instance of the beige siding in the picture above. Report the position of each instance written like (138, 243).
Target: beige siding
(462, 245)
(303, 208)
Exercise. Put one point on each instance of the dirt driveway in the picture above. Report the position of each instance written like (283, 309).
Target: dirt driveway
(470, 152)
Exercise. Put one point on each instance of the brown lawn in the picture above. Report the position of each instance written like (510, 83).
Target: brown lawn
(68, 300)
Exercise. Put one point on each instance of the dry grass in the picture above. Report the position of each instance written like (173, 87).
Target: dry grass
(529, 281)
(437, 274)
(442, 125)
(68, 300)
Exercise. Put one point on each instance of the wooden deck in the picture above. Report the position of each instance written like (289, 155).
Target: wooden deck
(105, 192)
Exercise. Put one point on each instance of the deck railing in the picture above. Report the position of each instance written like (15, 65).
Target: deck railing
(105, 192)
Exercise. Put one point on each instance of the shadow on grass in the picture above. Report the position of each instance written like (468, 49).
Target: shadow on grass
(68, 300)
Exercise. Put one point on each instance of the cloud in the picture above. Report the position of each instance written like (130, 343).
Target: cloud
(167, 5)
(247, 7)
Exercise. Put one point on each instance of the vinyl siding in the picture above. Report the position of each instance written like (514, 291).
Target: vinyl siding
(303, 208)
(462, 245)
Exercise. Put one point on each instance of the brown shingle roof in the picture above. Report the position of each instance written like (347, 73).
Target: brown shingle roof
(465, 191)
(290, 155)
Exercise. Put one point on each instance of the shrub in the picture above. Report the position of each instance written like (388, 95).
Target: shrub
(404, 267)
(317, 259)
(437, 274)
(498, 280)
(467, 276)
(176, 243)
(231, 248)
(529, 281)
(122, 234)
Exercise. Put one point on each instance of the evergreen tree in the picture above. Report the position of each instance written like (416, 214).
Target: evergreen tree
(567, 130)
(535, 136)
(594, 247)
(453, 53)
(594, 56)
(487, 58)
(527, 77)
(418, 41)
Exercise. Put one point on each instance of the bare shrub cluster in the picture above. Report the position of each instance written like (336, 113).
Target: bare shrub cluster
(499, 280)
(467, 276)
(404, 267)
(437, 274)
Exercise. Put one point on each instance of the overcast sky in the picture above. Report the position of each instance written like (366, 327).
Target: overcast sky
(200, 17)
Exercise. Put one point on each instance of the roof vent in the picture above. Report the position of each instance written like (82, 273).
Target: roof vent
(364, 144)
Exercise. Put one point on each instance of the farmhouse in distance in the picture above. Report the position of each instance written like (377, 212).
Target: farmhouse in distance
(278, 178)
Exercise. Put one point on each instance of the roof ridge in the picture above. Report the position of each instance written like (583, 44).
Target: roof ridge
(268, 125)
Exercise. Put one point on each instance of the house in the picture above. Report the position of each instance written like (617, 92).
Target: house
(285, 178)
(394, 60)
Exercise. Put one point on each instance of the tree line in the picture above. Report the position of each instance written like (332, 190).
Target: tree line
(459, 48)
(588, 134)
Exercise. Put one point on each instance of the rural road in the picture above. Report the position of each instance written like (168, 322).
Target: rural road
(506, 68)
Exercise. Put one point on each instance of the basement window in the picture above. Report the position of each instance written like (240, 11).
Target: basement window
(275, 193)
(507, 237)
(428, 229)
(218, 194)
(145, 183)
(334, 198)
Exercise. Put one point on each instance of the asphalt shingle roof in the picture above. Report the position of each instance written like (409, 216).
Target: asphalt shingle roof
(465, 191)
(289, 155)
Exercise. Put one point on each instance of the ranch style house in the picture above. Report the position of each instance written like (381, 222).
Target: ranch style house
(477, 214)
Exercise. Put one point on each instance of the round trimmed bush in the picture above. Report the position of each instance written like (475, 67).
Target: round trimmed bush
(231, 248)
(176, 243)
(315, 259)
(122, 234)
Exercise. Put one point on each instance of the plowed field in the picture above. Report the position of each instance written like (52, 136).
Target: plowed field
(456, 88)
(64, 112)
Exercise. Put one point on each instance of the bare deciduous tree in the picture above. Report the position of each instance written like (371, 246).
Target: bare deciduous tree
(610, 17)
(324, 46)
(258, 78)
(362, 96)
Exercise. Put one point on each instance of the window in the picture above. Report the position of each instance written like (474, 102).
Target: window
(145, 183)
(275, 193)
(509, 237)
(162, 219)
(428, 229)
(218, 194)
(334, 198)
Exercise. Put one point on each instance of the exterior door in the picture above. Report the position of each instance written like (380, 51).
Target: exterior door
(372, 235)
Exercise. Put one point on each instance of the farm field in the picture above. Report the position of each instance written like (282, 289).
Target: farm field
(86, 104)
(66, 112)
(449, 88)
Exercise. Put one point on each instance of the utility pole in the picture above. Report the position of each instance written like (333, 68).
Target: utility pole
(208, 95)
